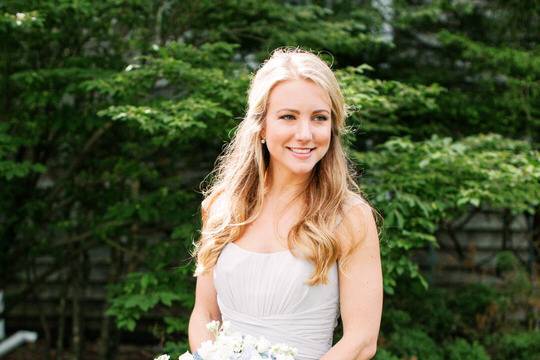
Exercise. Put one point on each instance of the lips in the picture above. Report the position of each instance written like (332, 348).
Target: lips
(300, 150)
(301, 153)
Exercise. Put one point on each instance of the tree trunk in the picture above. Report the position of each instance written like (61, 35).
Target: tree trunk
(34, 296)
(507, 230)
(108, 342)
(535, 270)
(76, 325)
(62, 318)
(46, 329)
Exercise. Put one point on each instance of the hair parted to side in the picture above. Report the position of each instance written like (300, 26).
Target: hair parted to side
(239, 177)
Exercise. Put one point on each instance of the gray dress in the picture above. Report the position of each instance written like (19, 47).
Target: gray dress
(263, 294)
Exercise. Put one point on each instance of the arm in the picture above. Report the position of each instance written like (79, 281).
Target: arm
(206, 307)
(205, 310)
(361, 290)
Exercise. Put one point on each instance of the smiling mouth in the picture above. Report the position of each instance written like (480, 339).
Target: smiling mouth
(301, 150)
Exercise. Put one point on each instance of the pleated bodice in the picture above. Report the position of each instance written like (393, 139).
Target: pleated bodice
(264, 294)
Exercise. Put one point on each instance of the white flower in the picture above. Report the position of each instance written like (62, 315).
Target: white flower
(163, 357)
(237, 342)
(226, 327)
(206, 349)
(255, 356)
(186, 356)
(229, 345)
(224, 347)
(283, 357)
(262, 345)
(213, 325)
(131, 67)
(250, 341)
(283, 351)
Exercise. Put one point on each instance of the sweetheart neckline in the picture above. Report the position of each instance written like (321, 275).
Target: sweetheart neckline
(258, 252)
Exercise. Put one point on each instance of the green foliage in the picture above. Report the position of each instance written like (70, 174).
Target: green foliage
(427, 310)
(20, 21)
(258, 26)
(518, 345)
(417, 185)
(478, 310)
(383, 354)
(512, 72)
(464, 319)
(518, 290)
(114, 111)
(175, 349)
(206, 92)
(141, 292)
(385, 108)
(414, 342)
(485, 169)
(474, 312)
(9, 167)
(485, 54)
(508, 61)
(461, 349)
(169, 121)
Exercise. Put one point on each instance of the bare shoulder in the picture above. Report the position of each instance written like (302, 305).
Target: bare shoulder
(357, 209)
(360, 277)
(358, 223)
(356, 200)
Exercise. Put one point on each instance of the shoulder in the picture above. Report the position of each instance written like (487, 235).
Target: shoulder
(356, 200)
(356, 208)
(359, 221)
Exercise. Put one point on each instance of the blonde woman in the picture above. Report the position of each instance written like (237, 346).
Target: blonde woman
(288, 244)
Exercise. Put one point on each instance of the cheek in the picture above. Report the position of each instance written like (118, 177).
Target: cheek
(277, 136)
(324, 135)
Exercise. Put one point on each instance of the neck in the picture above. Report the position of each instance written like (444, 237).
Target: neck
(285, 186)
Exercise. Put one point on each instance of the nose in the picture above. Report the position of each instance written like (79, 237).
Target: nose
(303, 130)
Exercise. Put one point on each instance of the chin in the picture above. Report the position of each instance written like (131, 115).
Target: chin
(302, 170)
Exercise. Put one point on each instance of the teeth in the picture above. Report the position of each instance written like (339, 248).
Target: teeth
(300, 150)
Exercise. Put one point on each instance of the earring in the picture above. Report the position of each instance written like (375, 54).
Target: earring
(263, 141)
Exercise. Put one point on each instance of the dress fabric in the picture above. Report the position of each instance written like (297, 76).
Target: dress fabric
(264, 294)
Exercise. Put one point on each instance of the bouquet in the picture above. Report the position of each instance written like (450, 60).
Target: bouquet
(236, 346)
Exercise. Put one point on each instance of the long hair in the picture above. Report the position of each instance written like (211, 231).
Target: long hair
(239, 181)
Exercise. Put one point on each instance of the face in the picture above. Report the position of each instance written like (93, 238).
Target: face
(297, 127)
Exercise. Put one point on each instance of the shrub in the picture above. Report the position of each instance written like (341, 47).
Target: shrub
(395, 319)
(414, 342)
(516, 346)
(425, 309)
(461, 349)
(383, 354)
(477, 309)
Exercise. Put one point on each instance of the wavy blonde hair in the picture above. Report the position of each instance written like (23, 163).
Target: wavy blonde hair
(240, 174)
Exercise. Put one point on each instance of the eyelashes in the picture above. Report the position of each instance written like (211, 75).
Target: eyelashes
(318, 117)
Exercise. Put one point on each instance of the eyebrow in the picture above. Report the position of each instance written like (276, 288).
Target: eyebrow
(298, 112)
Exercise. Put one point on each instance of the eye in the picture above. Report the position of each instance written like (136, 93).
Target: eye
(287, 117)
(321, 118)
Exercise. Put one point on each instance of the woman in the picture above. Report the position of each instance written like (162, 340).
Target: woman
(288, 243)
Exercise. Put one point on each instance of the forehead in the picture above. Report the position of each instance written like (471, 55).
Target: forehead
(298, 94)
